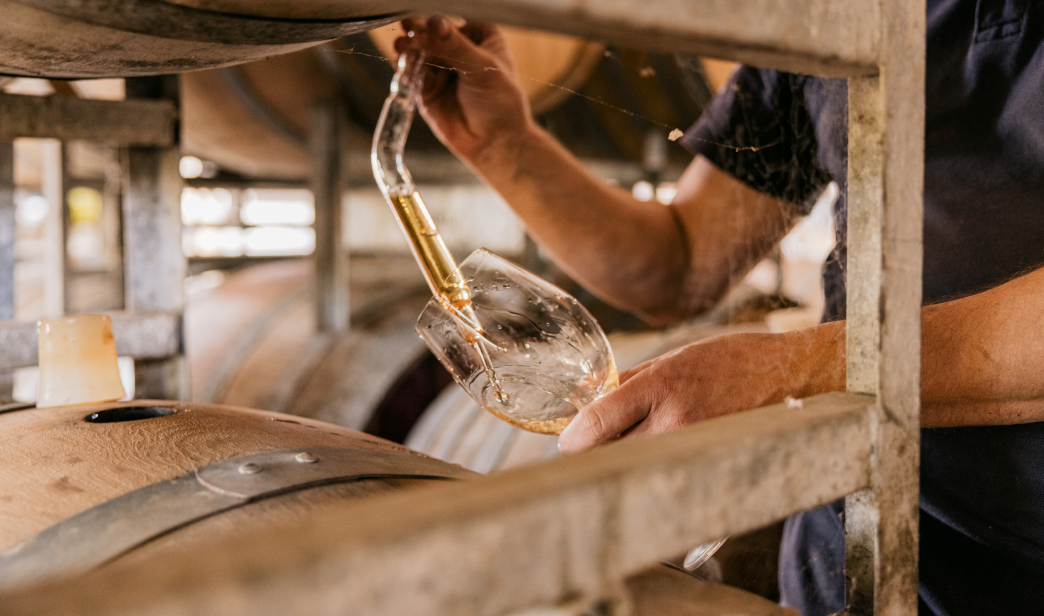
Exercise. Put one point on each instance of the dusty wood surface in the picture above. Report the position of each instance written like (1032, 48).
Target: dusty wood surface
(55, 464)
(540, 535)
(115, 123)
(818, 37)
(7, 230)
(886, 147)
(142, 335)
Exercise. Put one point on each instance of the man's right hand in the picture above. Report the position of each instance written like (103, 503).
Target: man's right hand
(471, 98)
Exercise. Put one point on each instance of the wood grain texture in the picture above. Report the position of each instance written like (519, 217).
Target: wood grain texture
(55, 464)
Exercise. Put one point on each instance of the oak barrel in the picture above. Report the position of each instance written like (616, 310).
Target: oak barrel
(84, 486)
(96, 38)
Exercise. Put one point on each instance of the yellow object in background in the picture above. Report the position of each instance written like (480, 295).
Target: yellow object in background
(85, 205)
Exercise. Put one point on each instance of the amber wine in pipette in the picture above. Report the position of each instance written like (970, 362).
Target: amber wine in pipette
(440, 270)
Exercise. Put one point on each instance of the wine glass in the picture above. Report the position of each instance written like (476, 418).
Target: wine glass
(548, 353)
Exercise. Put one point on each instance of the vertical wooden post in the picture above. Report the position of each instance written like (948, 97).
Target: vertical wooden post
(54, 228)
(7, 230)
(154, 265)
(327, 139)
(885, 215)
(66, 223)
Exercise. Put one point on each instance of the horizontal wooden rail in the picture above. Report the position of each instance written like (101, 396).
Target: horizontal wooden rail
(116, 123)
(141, 335)
(821, 37)
(542, 535)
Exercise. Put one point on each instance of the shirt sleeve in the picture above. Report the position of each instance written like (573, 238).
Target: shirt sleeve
(759, 130)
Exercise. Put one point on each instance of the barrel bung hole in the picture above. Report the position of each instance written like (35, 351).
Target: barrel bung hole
(129, 413)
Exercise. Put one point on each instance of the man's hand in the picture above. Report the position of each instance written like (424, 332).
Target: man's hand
(718, 376)
(472, 98)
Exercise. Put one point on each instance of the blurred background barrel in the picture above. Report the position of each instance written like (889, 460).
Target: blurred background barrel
(253, 118)
(252, 341)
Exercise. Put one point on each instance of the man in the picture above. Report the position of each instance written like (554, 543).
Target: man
(982, 521)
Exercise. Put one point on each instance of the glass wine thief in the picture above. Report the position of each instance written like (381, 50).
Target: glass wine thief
(523, 348)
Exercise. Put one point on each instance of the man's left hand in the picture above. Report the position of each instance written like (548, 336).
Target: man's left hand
(718, 376)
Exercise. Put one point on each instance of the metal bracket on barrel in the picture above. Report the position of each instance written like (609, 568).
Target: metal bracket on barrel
(106, 531)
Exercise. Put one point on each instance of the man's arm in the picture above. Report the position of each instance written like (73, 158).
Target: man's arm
(980, 365)
(664, 263)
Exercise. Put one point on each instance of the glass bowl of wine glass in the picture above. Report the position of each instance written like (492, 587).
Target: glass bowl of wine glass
(534, 358)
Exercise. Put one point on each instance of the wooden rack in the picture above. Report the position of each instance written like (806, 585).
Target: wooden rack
(144, 127)
(567, 532)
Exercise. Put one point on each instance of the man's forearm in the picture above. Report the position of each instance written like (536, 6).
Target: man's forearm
(628, 252)
(980, 357)
(664, 263)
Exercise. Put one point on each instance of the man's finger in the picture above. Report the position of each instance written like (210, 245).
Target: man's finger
(606, 419)
(630, 373)
(487, 36)
(451, 48)
(413, 23)
(478, 31)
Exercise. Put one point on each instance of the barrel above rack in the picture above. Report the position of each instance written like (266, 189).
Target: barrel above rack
(63, 40)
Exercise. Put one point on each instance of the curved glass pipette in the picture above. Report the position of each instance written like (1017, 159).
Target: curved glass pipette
(396, 184)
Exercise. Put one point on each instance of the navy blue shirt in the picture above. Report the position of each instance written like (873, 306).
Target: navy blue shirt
(982, 488)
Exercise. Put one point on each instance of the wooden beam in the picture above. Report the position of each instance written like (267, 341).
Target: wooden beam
(820, 37)
(885, 216)
(153, 262)
(155, 266)
(542, 535)
(142, 335)
(115, 123)
(328, 153)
